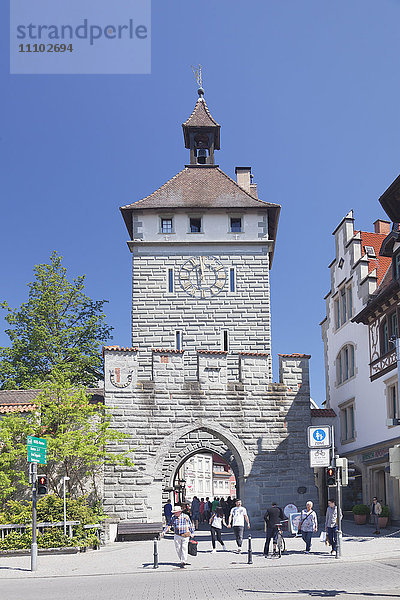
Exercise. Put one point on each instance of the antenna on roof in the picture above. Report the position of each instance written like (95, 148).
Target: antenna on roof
(198, 75)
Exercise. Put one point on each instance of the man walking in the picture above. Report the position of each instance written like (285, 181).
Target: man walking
(331, 524)
(183, 529)
(272, 518)
(376, 510)
(168, 511)
(236, 520)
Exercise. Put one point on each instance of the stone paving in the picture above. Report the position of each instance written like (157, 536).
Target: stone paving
(137, 557)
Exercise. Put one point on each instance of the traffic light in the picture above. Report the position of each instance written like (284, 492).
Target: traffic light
(344, 469)
(42, 484)
(330, 476)
(394, 461)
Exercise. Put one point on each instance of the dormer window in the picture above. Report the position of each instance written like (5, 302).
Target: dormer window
(396, 266)
(370, 251)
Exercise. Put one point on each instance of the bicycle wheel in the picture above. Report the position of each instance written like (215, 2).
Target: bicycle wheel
(280, 545)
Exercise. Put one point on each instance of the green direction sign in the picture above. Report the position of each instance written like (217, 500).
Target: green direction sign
(37, 450)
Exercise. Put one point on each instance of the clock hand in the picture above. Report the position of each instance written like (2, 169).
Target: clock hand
(202, 268)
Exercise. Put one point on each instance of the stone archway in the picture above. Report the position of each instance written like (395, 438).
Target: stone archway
(186, 441)
(189, 445)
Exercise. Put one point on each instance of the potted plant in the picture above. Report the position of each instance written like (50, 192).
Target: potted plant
(360, 512)
(384, 517)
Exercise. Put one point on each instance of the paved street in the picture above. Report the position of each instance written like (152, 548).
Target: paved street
(369, 568)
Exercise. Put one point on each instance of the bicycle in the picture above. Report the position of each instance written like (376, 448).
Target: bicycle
(280, 541)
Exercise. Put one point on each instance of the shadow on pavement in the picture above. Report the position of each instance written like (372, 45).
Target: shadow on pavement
(323, 593)
(14, 569)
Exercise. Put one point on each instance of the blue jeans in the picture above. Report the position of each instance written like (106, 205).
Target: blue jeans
(307, 535)
(332, 536)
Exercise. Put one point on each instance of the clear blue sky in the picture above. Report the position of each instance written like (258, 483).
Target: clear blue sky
(307, 93)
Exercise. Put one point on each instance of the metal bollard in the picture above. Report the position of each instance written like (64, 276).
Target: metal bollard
(155, 563)
(249, 553)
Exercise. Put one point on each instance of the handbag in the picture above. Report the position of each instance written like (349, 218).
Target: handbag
(192, 547)
(322, 537)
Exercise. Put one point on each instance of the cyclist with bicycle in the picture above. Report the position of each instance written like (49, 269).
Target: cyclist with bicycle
(272, 518)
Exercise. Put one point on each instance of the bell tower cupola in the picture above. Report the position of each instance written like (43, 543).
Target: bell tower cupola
(201, 133)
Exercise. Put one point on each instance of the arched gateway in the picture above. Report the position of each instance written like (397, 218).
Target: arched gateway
(198, 376)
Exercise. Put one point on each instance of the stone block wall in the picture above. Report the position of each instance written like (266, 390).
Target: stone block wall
(158, 314)
(170, 416)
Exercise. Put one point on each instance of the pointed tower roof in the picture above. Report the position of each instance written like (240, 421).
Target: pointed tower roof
(201, 119)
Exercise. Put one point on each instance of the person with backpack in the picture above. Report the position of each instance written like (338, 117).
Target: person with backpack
(308, 524)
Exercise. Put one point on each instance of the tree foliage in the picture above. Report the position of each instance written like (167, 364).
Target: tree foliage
(80, 441)
(58, 330)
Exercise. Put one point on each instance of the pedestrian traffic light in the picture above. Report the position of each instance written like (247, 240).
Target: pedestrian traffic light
(330, 476)
(42, 484)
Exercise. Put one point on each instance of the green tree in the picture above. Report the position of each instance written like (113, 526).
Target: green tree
(80, 442)
(58, 330)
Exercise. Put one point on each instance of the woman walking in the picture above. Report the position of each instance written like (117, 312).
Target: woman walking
(308, 524)
(216, 522)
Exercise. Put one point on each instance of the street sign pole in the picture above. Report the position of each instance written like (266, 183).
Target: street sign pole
(339, 509)
(34, 550)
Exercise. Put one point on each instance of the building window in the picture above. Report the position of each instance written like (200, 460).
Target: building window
(345, 364)
(195, 225)
(396, 266)
(232, 283)
(343, 306)
(392, 401)
(225, 341)
(166, 225)
(347, 422)
(170, 280)
(179, 340)
(337, 314)
(349, 295)
(236, 225)
(370, 251)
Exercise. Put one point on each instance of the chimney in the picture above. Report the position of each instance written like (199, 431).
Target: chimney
(382, 226)
(243, 176)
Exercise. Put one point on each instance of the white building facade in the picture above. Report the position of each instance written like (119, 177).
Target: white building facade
(361, 402)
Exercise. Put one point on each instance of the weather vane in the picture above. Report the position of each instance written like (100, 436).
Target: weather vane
(198, 75)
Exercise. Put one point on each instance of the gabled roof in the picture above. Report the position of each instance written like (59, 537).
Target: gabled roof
(23, 401)
(390, 200)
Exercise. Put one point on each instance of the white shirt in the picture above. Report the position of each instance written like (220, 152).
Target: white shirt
(238, 513)
(217, 522)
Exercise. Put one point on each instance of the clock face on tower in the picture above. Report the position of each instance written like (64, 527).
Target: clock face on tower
(202, 276)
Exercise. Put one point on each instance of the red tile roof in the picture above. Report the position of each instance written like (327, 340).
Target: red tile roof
(295, 355)
(254, 353)
(381, 263)
(323, 412)
(13, 408)
(120, 349)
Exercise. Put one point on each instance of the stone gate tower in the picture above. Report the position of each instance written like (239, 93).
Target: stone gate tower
(199, 375)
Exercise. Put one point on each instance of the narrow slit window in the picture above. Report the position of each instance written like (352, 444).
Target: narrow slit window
(179, 340)
(170, 280)
(225, 340)
(232, 282)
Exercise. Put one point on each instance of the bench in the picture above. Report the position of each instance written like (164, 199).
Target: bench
(132, 530)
